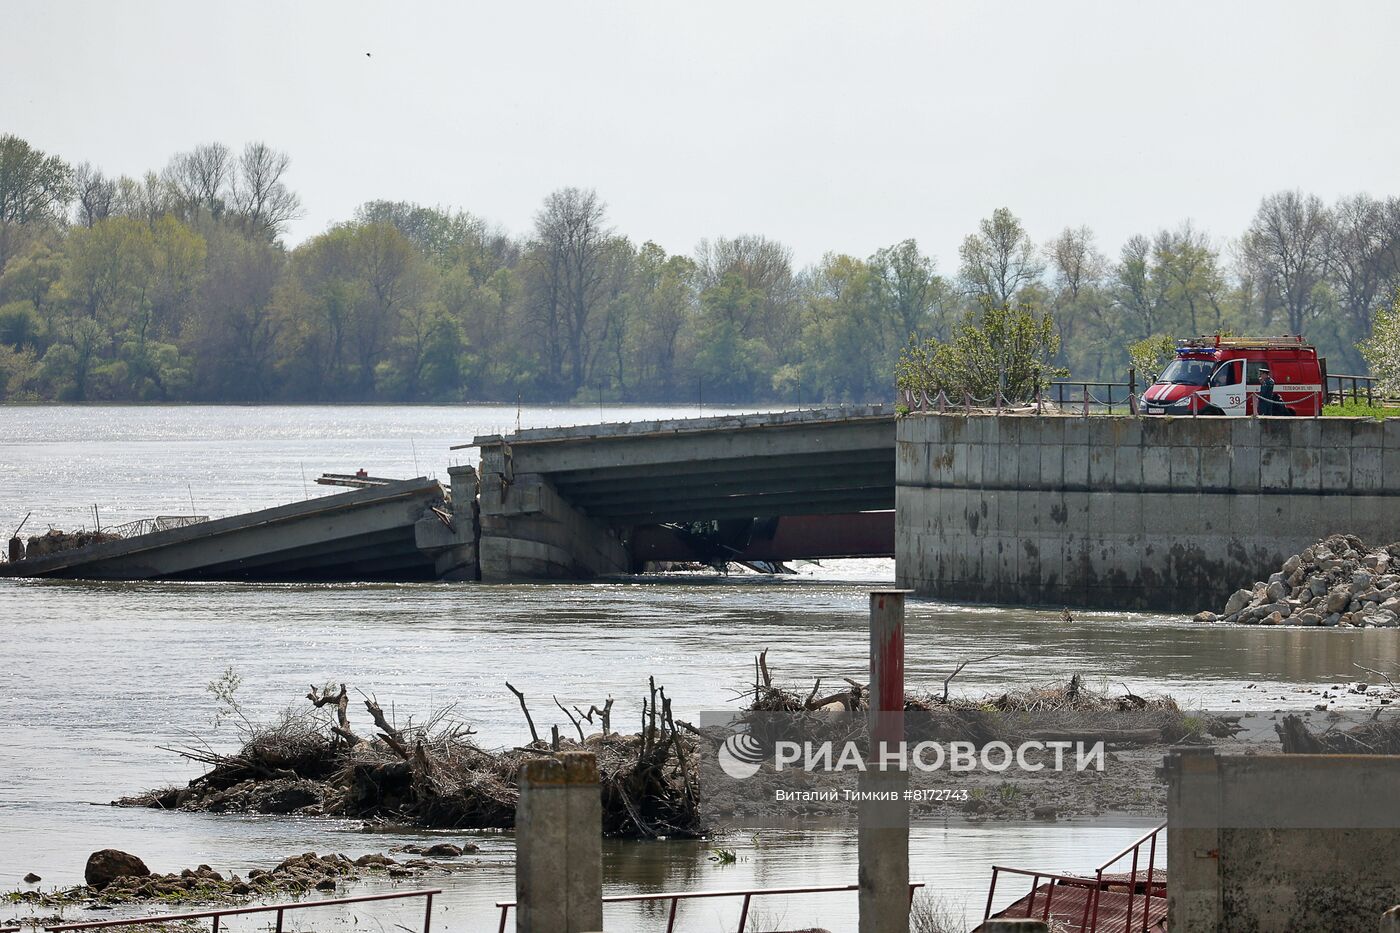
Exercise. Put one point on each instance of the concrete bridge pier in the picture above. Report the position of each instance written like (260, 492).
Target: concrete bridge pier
(453, 545)
(529, 531)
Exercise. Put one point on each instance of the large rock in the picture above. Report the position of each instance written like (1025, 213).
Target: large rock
(105, 865)
(1337, 598)
(1237, 602)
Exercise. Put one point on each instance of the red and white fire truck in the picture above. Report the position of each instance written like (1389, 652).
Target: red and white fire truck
(1221, 376)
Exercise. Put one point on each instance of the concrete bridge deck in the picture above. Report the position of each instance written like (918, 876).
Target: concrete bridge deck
(564, 502)
(386, 532)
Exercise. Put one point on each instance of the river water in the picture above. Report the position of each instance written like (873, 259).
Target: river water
(99, 676)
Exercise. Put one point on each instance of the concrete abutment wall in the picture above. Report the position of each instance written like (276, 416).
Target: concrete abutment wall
(1131, 513)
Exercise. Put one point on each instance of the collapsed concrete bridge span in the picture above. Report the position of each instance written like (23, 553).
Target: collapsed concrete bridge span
(577, 502)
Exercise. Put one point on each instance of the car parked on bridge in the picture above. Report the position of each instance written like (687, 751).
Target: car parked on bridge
(1225, 375)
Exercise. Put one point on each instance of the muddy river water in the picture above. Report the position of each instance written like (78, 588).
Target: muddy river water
(98, 676)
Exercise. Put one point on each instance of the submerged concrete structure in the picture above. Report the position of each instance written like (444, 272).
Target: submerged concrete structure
(402, 530)
(1281, 842)
(1126, 512)
(563, 502)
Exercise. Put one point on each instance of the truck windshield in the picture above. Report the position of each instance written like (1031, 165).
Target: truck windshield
(1187, 372)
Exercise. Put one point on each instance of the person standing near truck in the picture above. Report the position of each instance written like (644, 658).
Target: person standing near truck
(1268, 402)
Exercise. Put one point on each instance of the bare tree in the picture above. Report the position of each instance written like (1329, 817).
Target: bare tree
(572, 267)
(201, 177)
(1287, 245)
(260, 196)
(1075, 261)
(1360, 254)
(999, 259)
(95, 194)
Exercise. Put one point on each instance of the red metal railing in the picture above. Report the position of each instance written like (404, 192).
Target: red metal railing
(1101, 881)
(675, 897)
(280, 909)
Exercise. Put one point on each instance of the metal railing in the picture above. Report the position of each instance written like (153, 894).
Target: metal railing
(1361, 387)
(1064, 394)
(145, 526)
(279, 909)
(1089, 922)
(675, 897)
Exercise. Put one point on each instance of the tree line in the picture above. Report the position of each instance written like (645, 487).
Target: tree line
(180, 286)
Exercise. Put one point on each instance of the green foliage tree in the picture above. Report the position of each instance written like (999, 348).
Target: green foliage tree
(1010, 350)
(1382, 350)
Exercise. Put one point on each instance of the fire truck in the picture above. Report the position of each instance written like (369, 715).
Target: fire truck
(1221, 376)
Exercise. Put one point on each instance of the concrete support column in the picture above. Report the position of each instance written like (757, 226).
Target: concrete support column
(559, 846)
(529, 531)
(882, 836)
(1193, 839)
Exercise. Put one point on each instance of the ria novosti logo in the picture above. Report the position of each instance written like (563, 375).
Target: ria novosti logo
(741, 756)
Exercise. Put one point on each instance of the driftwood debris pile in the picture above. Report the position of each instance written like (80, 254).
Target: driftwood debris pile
(313, 762)
(1375, 736)
(1039, 712)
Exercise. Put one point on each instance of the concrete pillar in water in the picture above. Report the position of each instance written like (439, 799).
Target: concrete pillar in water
(882, 836)
(559, 846)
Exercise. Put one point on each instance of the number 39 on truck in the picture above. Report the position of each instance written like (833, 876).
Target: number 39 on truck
(1238, 376)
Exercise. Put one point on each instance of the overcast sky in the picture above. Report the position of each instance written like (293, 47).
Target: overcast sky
(829, 126)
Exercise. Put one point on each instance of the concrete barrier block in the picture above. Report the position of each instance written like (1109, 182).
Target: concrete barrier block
(1052, 465)
(1127, 468)
(1052, 430)
(1000, 465)
(1122, 431)
(1244, 467)
(1334, 467)
(1244, 432)
(1366, 474)
(1390, 469)
(1076, 466)
(1277, 432)
(958, 473)
(1156, 466)
(976, 462)
(1185, 468)
(1156, 431)
(1365, 432)
(974, 430)
(1305, 468)
(1274, 468)
(1077, 430)
(983, 514)
(1215, 467)
(1390, 434)
(1100, 466)
(991, 430)
(1335, 432)
(1028, 466)
(1100, 517)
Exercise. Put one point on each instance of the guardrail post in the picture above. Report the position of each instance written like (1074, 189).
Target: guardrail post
(882, 835)
(559, 846)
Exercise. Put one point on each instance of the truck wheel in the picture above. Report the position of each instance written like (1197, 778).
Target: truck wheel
(1212, 410)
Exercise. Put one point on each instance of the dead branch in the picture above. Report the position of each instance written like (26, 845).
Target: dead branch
(342, 711)
(570, 715)
(813, 695)
(392, 737)
(604, 714)
(959, 669)
(535, 736)
(1368, 670)
(763, 668)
